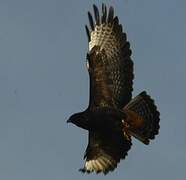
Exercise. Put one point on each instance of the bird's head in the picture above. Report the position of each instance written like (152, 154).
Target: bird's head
(79, 119)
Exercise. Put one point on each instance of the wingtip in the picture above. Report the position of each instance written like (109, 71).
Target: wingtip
(110, 14)
(96, 14)
(104, 13)
(91, 22)
(87, 32)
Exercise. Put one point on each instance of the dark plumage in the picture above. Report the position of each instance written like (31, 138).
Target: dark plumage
(112, 116)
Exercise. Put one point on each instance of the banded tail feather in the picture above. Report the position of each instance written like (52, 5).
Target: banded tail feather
(142, 120)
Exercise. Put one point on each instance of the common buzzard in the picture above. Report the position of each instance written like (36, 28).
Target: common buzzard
(112, 117)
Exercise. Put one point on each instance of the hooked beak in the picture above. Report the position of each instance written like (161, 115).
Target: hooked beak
(68, 121)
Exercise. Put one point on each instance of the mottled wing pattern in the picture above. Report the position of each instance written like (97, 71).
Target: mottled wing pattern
(101, 85)
(106, 33)
(104, 151)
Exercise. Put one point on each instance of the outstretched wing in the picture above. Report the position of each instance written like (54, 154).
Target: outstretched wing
(104, 151)
(109, 63)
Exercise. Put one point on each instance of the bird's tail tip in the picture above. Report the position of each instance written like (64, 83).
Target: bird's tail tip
(143, 118)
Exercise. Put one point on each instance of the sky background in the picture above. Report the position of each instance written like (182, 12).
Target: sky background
(43, 80)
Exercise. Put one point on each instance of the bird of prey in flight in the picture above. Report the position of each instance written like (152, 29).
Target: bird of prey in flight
(113, 117)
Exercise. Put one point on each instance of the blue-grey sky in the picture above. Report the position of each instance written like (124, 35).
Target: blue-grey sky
(44, 80)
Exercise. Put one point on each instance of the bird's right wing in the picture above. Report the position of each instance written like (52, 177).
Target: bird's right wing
(104, 151)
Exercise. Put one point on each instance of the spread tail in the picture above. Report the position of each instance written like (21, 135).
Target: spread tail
(142, 120)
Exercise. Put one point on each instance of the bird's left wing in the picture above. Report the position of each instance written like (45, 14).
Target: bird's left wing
(104, 151)
(109, 63)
